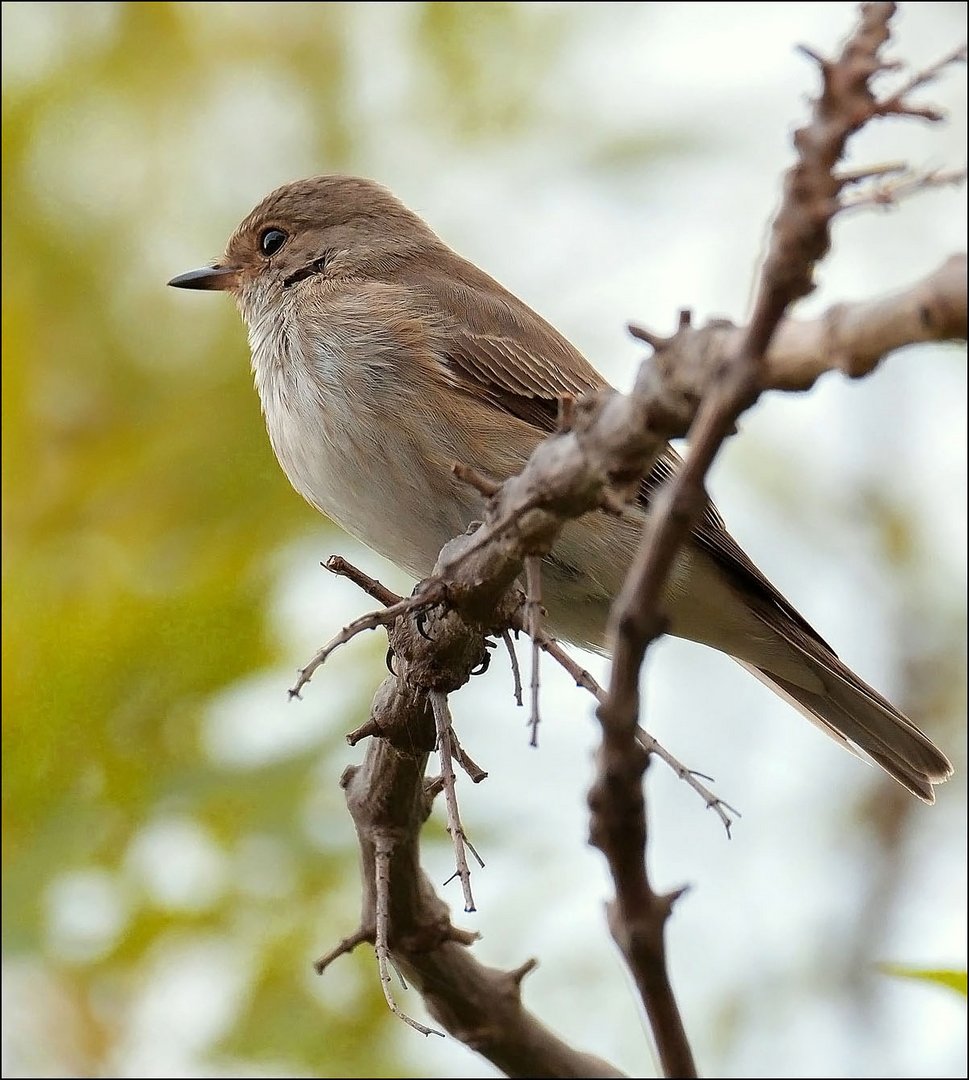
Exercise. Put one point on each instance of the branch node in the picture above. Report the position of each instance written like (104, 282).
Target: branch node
(481, 483)
(346, 946)
(368, 728)
(336, 564)
(518, 974)
(669, 900)
(657, 341)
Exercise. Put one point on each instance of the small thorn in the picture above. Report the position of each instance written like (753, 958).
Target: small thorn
(517, 975)
(657, 341)
(811, 54)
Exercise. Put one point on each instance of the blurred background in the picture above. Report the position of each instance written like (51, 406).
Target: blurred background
(175, 846)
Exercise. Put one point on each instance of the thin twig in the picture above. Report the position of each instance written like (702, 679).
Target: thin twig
(580, 675)
(691, 777)
(336, 564)
(382, 854)
(890, 192)
(515, 669)
(898, 105)
(869, 172)
(442, 723)
(432, 592)
(533, 611)
(347, 945)
(464, 759)
(722, 809)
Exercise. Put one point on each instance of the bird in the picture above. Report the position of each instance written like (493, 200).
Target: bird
(381, 357)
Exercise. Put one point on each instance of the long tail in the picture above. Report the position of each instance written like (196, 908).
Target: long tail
(852, 712)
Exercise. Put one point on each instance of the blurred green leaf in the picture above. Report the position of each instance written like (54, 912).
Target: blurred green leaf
(146, 520)
(953, 979)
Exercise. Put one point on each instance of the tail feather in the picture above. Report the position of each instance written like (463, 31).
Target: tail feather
(855, 714)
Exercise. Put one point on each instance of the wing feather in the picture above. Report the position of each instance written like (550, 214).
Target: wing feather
(502, 352)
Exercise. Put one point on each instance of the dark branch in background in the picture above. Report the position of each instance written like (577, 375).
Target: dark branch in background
(700, 380)
(800, 238)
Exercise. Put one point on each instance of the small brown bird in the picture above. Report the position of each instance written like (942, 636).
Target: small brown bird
(381, 357)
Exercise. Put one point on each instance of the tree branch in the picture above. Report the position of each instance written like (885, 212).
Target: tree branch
(700, 380)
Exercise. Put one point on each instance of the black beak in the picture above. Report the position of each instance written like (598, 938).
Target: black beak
(207, 277)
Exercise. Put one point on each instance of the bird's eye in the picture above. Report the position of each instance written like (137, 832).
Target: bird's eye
(271, 241)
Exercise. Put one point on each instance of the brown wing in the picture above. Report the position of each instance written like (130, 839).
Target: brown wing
(502, 352)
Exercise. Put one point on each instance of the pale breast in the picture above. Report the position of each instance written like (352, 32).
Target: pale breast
(349, 429)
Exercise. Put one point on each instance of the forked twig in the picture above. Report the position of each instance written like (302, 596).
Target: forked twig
(897, 105)
(432, 592)
(691, 777)
(891, 191)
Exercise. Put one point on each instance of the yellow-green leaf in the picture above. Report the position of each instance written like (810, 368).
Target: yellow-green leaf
(953, 979)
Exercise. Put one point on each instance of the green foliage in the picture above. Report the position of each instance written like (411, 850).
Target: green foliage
(146, 521)
(143, 514)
